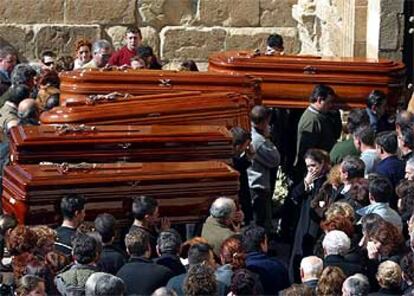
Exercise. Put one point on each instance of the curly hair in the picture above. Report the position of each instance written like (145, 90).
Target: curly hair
(389, 275)
(338, 222)
(200, 280)
(243, 283)
(334, 176)
(341, 208)
(388, 235)
(330, 282)
(27, 284)
(405, 192)
(232, 252)
(82, 42)
(20, 262)
(297, 289)
(56, 261)
(21, 239)
(45, 238)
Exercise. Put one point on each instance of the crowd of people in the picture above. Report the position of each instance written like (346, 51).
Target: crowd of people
(347, 217)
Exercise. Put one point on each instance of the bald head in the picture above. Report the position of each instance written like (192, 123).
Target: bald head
(28, 109)
(311, 268)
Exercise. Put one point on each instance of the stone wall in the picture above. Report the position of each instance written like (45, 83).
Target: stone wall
(193, 29)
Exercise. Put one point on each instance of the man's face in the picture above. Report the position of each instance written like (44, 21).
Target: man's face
(133, 40)
(102, 57)
(7, 64)
(48, 62)
(380, 109)
(409, 173)
(327, 103)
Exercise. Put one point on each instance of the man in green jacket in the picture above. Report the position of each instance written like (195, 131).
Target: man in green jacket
(319, 126)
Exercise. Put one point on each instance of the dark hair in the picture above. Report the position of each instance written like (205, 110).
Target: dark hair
(48, 53)
(318, 155)
(17, 93)
(360, 191)
(376, 98)
(380, 188)
(142, 206)
(407, 266)
(353, 166)
(105, 225)
(407, 136)
(65, 63)
(169, 241)
(357, 118)
(404, 119)
(200, 280)
(22, 74)
(366, 135)
(137, 242)
(84, 248)
(259, 114)
(322, 92)
(243, 283)
(387, 141)
(252, 237)
(240, 135)
(405, 191)
(7, 50)
(388, 235)
(275, 41)
(71, 204)
(145, 52)
(189, 65)
(134, 30)
(199, 253)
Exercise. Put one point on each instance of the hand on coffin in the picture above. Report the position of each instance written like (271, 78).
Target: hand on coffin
(165, 224)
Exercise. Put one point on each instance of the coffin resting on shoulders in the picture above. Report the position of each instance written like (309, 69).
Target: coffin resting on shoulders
(184, 190)
(216, 108)
(287, 81)
(76, 86)
(79, 143)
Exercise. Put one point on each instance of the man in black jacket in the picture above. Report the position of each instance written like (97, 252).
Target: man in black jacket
(168, 248)
(140, 274)
(112, 257)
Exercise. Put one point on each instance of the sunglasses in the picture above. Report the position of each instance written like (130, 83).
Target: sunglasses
(49, 63)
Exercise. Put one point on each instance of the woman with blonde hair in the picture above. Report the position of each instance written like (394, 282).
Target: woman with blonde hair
(330, 282)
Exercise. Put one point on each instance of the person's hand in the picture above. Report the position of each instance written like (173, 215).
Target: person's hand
(311, 176)
(373, 249)
(124, 67)
(238, 217)
(165, 224)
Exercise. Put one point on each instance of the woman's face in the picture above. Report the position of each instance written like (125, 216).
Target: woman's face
(313, 166)
(84, 54)
(38, 291)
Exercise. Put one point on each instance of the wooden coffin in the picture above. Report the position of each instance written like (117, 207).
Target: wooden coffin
(216, 108)
(287, 81)
(184, 190)
(76, 86)
(78, 143)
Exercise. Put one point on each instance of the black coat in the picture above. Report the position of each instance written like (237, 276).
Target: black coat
(172, 262)
(349, 268)
(307, 229)
(111, 260)
(142, 276)
(384, 292)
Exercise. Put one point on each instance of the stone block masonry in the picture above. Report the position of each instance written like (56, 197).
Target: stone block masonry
(193, 29)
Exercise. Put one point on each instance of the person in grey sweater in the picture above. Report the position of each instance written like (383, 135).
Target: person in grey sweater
(266, 157)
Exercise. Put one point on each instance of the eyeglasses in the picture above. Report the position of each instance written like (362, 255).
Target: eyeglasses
(49, 64)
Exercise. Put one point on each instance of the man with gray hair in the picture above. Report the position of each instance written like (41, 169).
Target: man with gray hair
(311, 268)
(8, 59)
(168, 249)
(409, 169)
(356, 285)
(101, 51)
(219, 225)
(102, 284)
(336, 245)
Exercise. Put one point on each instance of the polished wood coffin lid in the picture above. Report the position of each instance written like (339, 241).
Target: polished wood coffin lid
(289, 80)
(75, 86)
(184, 190)
(216, 108)
(78, 143)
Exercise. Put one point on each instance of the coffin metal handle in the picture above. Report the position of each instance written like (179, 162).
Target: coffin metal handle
(113, 96)
(124, 145)
(310, 70)
(165, 82)
(64, 167)
(72, 128)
